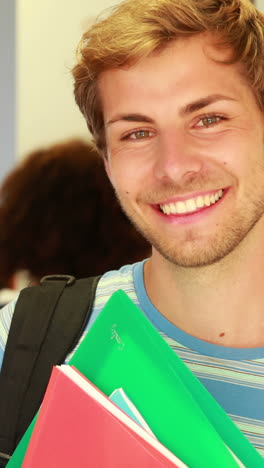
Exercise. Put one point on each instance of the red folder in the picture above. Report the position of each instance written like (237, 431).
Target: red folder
(78, 426)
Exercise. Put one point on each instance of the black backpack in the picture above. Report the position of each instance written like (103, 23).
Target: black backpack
(47, 324)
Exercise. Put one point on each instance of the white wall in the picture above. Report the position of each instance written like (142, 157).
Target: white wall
(259, 4)
(47, 34)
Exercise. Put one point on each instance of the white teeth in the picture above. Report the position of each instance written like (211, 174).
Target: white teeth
(192, 204)
(165, 209)
(199, 202)
(212, 199)
(207, 200)
(172, 208)
(180, 207)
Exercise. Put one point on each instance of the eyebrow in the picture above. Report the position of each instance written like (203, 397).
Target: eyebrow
(185, 110)
(203, 102)
(130, 118)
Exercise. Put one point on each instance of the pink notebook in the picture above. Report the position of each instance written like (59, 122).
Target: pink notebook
(78, 426)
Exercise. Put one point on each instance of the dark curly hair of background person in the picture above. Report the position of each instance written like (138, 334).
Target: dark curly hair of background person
(59, 214)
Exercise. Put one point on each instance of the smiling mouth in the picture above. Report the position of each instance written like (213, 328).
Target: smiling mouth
(192, 204)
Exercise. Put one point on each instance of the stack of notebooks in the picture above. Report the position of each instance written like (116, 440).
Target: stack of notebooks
(126, 400)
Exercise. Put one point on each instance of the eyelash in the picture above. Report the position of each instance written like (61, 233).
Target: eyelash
(203, 117)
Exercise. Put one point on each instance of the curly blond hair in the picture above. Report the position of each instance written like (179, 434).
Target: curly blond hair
(136, 28)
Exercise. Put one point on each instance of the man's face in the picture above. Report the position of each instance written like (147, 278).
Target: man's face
(185, 151)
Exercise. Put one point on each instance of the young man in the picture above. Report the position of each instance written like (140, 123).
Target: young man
(172, 91)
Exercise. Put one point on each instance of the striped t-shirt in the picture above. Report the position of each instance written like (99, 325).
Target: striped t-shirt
(234, 376)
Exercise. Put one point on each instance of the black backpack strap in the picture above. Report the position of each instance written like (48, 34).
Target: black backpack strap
(48, 321)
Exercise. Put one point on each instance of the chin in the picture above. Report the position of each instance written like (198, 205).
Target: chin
(196, 254)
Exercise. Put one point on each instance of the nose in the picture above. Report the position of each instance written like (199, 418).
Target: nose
(177, 159)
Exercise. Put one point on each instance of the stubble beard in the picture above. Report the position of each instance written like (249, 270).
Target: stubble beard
(194, 252)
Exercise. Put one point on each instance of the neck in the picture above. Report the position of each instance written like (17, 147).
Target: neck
(222, 303)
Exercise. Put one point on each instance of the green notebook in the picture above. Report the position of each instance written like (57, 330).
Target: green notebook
(128, 352)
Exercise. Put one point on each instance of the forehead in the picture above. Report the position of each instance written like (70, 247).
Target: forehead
(186, 68)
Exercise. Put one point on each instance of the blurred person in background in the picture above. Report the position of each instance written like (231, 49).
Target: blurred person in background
(59, 215)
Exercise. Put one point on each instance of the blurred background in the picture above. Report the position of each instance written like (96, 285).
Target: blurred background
(38, 39)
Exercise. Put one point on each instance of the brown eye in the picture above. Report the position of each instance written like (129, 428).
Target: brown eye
(208, 121)
(140, 134)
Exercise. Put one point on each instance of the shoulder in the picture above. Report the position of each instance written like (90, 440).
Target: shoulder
(111, 282)
(114, 280)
